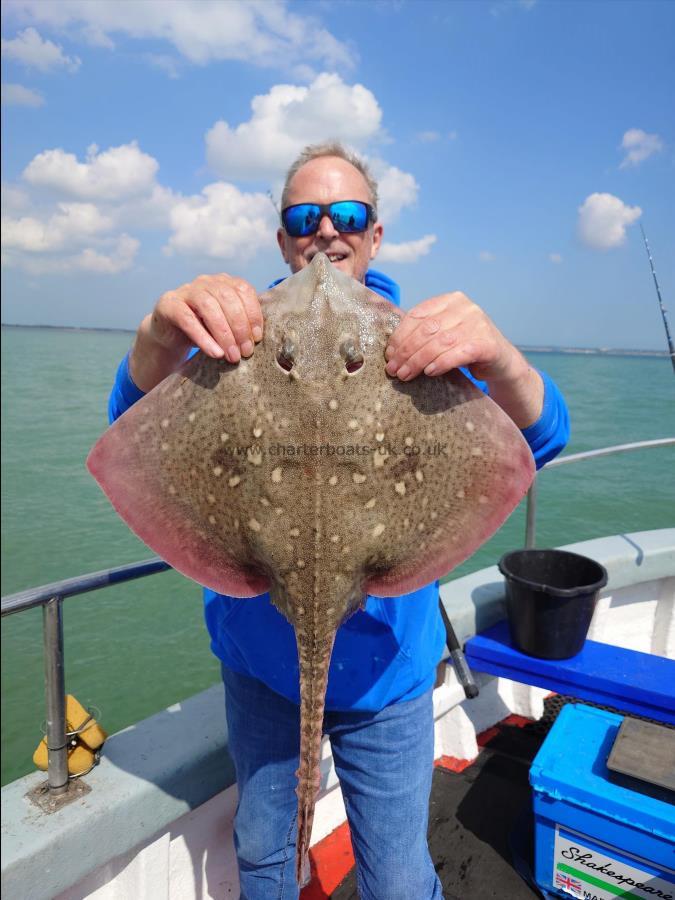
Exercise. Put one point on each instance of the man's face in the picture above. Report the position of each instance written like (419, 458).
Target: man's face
(326, 180)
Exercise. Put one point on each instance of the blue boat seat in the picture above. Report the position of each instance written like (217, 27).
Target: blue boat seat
(634, 682)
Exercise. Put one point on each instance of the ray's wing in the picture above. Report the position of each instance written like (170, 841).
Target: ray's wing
(467, 469)
(167, 465)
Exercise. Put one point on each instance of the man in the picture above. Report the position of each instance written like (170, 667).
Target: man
(378, 703)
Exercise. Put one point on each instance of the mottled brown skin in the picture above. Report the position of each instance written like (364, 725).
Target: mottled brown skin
(242, 477)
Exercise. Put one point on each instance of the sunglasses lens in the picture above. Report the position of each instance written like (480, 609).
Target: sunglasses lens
(349, 216)
(302, 219)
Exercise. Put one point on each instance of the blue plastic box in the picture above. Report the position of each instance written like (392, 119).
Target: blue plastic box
(594, 838)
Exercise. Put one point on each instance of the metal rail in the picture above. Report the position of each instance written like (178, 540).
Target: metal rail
(51, 597)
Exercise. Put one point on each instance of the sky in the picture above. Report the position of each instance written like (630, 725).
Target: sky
(519, 145)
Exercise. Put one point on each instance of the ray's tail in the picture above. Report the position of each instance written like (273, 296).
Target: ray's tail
(314, 664)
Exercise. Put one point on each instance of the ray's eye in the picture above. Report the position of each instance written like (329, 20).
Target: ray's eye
(352, 355)
(286, 354)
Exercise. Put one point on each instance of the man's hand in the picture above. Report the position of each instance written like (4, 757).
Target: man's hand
(449, 331)
(219, 314)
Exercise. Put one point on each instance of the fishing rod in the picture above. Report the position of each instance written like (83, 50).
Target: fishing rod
(462, 670)
(671, 349)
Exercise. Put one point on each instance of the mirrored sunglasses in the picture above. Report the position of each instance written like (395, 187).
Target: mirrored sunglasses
(347, 216)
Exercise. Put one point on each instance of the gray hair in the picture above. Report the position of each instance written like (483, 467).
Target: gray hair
(330, 148)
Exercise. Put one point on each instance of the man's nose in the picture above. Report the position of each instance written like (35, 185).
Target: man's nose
(326, 228)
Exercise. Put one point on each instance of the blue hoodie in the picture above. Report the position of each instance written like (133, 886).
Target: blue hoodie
(386, 652)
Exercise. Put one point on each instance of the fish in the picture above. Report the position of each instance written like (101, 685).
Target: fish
(307, 471)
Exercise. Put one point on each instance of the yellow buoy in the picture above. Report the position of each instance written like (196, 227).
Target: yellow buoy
(82, 744)
(92, 735)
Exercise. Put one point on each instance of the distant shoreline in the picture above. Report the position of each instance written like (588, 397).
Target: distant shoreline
(526, 348)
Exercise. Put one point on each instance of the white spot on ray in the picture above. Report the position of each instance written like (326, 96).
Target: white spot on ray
(234, 481)
(255, 388)
(254, 525)
(257, 431)
(264, 501)
(335, 538)
(421, 526)
(419, 475)
(210, 498)
(332, 404)
(476, 451)
(276, 474)
(300, 564)
(460, 495)
(378, 529)
(333, 479)
(172, 489)
(378, 405)
(371, 503)
(165, 447)
(212, 520)
(217, 471)
(470, 426)
(353, 424)
(482, 499)
(408, 442)
(399, 487)
(278, 510)
(379, 436)
(192, 417)
(224, 436)
(379, 459)
(294, 532)
(254, 456)
(165, 423)
(269, 416)
(178, 393)
(358, 478)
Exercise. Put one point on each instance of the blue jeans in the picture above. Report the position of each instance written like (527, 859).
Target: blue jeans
(384, 761)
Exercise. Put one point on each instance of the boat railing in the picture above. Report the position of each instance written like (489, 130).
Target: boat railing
(51, 596)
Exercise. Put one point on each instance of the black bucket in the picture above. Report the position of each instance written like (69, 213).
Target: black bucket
(550, 600)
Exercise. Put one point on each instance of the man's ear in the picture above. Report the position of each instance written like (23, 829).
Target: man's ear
(378, 232)
(281, 240)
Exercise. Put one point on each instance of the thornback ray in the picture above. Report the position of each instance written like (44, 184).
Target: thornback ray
(307, 471)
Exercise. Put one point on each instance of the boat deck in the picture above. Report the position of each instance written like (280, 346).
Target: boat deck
(480, 827)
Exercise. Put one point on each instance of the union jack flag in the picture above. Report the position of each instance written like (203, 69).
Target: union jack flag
(567, 883)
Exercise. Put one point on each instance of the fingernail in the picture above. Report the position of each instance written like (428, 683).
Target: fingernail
(388, 353)
(233, 353)
(403, 372)
(392, 367)
(247, 348)
(430, 369)
(257, 333)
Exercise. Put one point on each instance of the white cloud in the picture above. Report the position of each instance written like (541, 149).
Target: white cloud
(639, 146)
(396, 189)
(18, 95)
(288, 118)
(603, 219)
(555, 257)
(29, 48)
(222, 223)
(74, 223)
(119, 257)
(264, 33)
(407, 252)
(486, 256)
(170, 65)
(112, 174)
(14, 198)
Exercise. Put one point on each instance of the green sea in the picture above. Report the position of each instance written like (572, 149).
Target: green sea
(137, 648)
